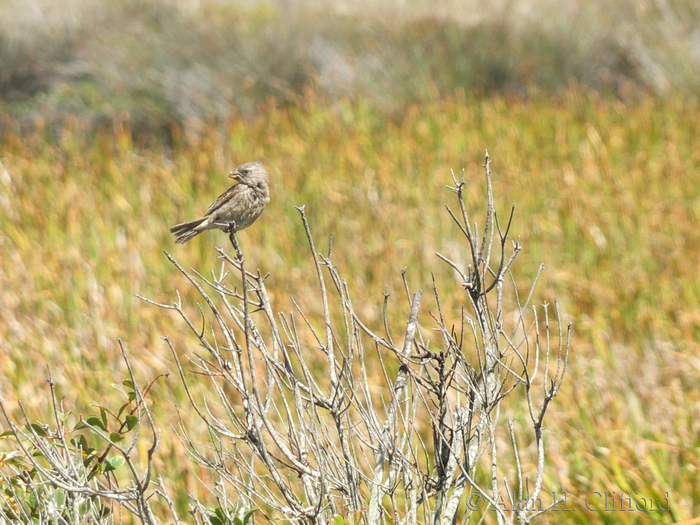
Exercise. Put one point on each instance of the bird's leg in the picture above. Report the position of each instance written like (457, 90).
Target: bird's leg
(234, 242)
(228, 227)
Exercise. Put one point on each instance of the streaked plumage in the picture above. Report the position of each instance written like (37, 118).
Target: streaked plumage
(241, 204)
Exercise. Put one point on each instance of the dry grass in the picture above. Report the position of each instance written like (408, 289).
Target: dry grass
(606, 197)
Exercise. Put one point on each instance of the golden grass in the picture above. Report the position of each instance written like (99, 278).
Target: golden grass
(606, 195)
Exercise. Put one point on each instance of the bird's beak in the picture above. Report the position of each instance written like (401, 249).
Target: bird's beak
(235, 175)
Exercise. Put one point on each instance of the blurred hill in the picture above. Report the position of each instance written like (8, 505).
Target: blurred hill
(198, 62)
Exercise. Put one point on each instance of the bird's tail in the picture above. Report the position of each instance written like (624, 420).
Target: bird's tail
(185, 231)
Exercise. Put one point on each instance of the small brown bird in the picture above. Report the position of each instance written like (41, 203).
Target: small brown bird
(239, 206)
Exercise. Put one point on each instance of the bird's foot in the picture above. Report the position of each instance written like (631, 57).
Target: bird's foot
(229, 227)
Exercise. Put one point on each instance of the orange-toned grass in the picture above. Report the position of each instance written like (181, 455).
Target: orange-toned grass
(606, 195)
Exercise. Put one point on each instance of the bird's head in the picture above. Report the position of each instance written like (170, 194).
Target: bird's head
(249, 171)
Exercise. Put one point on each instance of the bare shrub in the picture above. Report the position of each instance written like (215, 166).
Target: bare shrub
(310, 419)
(324, 420)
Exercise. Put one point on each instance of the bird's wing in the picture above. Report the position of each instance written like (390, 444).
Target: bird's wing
(224, 197)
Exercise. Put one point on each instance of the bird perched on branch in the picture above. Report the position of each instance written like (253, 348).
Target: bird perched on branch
(235, 209)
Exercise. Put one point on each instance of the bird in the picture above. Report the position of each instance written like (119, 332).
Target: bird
(235, 209)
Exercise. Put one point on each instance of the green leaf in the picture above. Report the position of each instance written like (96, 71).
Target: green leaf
(115, 437)
(248, 516)
(16, 482)
(32, 501)
(128, 383)
(114, 463)
(338, 520)
(131, 422)
(215, 520)
(103, 415)
(237, 521)
(40, 430)
(16, 458)
(122, 409)
(59, 497)
(81, 442)
(95, 422)
(119, 389)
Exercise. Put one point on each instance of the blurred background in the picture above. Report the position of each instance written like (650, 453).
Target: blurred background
(201, 61)
(119, 119)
